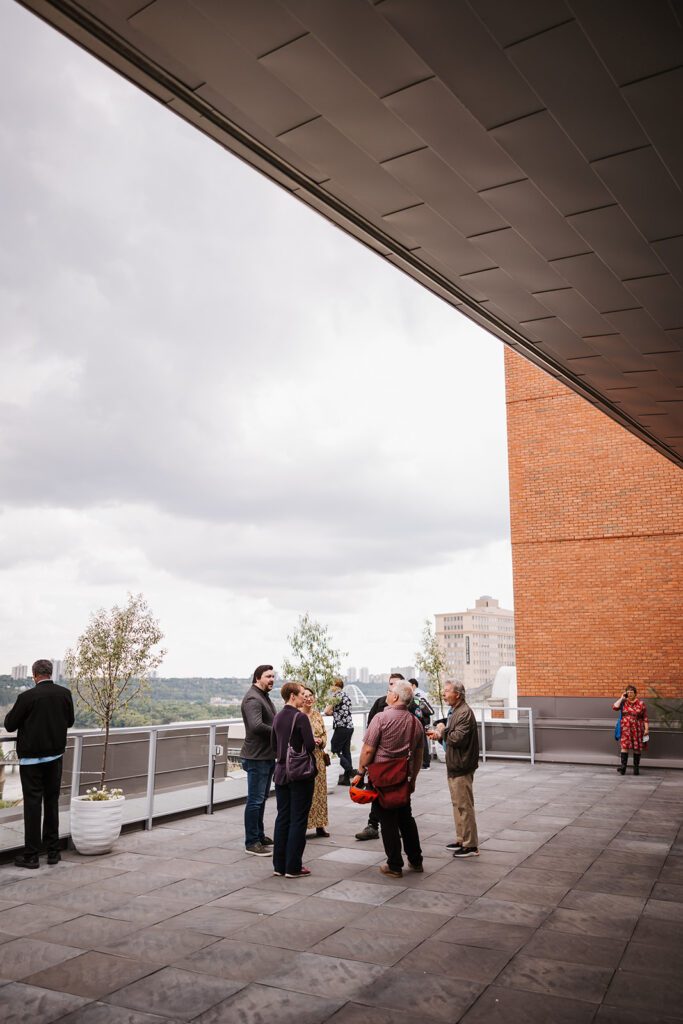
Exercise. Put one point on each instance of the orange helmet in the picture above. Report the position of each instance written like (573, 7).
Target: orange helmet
(361, 791)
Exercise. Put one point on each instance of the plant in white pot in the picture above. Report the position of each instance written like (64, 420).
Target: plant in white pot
(108, 670)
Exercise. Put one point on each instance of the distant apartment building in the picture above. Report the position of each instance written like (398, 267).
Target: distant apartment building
(477, 642)
(56, 669)
(364, 675)
(352, 674)
(407, 671)
(20, 672)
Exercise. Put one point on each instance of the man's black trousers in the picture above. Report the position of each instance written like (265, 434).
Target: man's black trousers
(40, 786)
(398, 824)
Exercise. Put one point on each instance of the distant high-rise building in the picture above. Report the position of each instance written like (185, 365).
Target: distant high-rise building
(56, 669)
(352, 675)
(477, 642)
(20, 672)
(364, 675)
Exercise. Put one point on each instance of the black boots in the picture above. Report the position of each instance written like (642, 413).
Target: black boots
(624, 761)
(636, 763)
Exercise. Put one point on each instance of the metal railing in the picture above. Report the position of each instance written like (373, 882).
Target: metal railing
(507, 737)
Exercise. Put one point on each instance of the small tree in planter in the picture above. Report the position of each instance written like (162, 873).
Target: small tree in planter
(108, 670)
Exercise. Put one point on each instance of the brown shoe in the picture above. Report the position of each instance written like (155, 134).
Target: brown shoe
(415, 867)
(322, 833)
(386, 870)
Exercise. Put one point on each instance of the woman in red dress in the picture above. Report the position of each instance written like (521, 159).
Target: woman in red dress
(634, 727)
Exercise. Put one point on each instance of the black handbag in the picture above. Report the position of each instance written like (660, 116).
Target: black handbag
(299, 766)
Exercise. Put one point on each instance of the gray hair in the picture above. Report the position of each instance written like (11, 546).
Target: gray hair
(458, 687)
(404, 692)
(42, 669)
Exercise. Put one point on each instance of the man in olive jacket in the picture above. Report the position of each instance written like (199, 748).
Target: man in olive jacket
(258, 759)
(460, 738)
(42, 716)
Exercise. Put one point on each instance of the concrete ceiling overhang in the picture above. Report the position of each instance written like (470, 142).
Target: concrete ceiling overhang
(523, 160)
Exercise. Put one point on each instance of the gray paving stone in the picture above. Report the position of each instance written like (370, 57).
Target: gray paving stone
(395, 920)
(212, 920)
(487, 934)
(279, 931)
(255, 901)
(652, 931)
(371, 947)
(640, 991)
(315, 909)
(556, 978)
(27, 918)
(524, 914)
(92, 975)
(261, 1004)
(443, 999)
(668, 891)
(643, 958)
(149, 910)
(355, 856)
(22, 957)
(663, 910)
(598, 951)
(103, 1013)
(431, 901)
(362, 892)
(84, 932)
(470, 963)
(500, 1005)
(173, 993)
(25, 1004)
(237, 960)
(620, 1015)
(515, 891)
(355, 1013)
(316, 973)
(159, 944)
(615, 905)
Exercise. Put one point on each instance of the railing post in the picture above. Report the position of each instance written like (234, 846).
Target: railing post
(532, 744)
(151, 772)
(212, 749)
(76, 766)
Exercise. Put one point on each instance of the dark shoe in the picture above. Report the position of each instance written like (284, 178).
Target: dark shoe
(258, 850)
(426, 767)
(322, 833)
(636, 764)
(386, 870)
(304, 873)
(454, 846)
(26, 862)
(54, 858)
(367, 833)
(622, 767)
(266, 841)
(415, 867)
(280, 874)
(343, 780)
(467, 851)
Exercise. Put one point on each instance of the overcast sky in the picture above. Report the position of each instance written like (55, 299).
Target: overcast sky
(210, 395)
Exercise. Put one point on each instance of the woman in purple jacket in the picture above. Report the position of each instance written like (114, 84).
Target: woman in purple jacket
(293, 798)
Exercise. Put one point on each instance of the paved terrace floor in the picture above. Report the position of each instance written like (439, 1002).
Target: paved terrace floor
(572, 913)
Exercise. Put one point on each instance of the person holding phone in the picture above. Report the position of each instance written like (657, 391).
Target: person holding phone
(635, 728)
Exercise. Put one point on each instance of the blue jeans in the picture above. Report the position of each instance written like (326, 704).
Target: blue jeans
(259, 778)
(289, 839)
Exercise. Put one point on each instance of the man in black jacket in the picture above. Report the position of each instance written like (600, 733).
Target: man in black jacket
(41, 716)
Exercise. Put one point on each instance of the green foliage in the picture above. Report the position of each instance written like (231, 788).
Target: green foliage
(668, 713)
(314, 662)
(111, 660)
(431, 660)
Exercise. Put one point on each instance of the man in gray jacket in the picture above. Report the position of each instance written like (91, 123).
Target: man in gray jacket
(258, 759)
(460, 739)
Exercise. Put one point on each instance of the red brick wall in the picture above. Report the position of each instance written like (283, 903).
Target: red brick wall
(597, 547)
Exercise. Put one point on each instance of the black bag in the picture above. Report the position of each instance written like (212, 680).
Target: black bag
(300, 766)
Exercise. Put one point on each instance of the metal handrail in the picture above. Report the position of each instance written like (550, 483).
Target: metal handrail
(484, 708)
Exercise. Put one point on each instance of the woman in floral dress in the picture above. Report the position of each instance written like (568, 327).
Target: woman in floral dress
(317, 817)
(634, 727)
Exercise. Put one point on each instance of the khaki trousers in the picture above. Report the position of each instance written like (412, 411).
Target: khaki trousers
(462, 799)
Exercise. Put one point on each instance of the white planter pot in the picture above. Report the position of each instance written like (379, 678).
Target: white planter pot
(96, 824)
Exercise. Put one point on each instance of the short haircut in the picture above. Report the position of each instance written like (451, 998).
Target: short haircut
(631, 687)
(258, 672)
(308, 689)
(42, 668)
(458, 687)
(288, 690)
(339, 683)
(404, 692)
(413, 682)
(396, 675)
